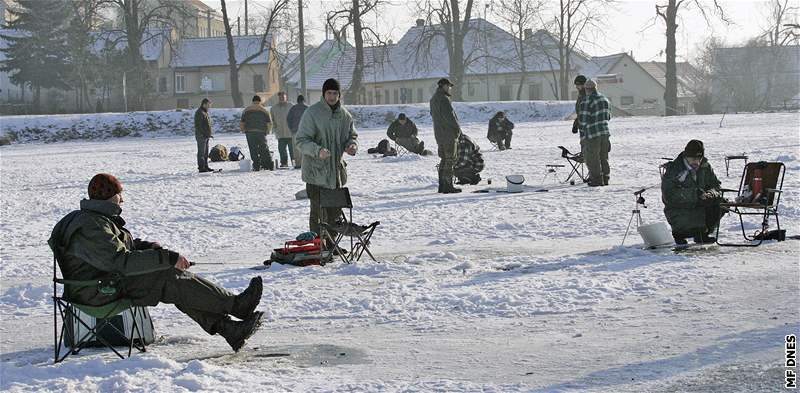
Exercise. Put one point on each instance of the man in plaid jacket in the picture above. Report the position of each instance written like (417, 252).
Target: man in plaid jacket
(594, 115)
(469, 162)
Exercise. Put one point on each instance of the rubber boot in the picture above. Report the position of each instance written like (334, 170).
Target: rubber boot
(448, 187)
(247, 301)
(236, 333)
(441, 182)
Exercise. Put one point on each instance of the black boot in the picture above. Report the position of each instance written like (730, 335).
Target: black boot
(441, 183)
(247, 301)
(447, 187)
(236, 333)
(679, 240)
(704, 239)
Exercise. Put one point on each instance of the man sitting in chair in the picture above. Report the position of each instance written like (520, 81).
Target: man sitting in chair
(404, 132)
(500, 130)
(93, 244)
(691, 194)
(470, 161)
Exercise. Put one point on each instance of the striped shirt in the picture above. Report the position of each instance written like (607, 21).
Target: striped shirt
(594, 116)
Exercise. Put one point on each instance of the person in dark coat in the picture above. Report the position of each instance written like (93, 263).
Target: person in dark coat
(446, 130)
(256, 124)
(500, 131)
(293, 118)
(92, 244)
(202, 134)
(470, 161)
(403, 131)
(691, 194)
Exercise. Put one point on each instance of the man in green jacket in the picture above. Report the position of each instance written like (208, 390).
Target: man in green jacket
(279, 113)
(256, 124)
(92, 244)
(202, 133)
(325, 133)
(404, 132)
(691, 194)
(446, 130)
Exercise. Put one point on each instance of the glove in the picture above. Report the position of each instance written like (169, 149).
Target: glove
(575, 127)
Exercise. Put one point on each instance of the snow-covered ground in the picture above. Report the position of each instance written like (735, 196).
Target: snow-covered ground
(472, 291)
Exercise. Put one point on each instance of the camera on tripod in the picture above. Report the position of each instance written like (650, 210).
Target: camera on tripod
(639, 198)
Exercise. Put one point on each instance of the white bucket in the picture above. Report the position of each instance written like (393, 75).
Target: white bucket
(655, 235)
(514, 183)
(245, 165)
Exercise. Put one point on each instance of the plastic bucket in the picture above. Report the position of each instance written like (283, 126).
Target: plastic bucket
(655, 235)
(245, 165)
(514, 183)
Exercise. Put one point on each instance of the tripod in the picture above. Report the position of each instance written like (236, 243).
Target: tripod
(636, 212)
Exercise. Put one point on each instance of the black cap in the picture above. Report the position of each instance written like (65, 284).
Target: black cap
(256, 98)
(694, 149)
(401, 116)
(444, 81)
(580, 79)
(330, 84)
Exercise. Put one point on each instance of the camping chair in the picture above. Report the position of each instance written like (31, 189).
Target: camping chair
(764, 204)
(576, 162)
(401, 151)
(77, 330)
(360, 235)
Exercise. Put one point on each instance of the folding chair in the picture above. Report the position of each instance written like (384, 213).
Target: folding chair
(360, 235)
(728, 160)
(77, 330)
(576, 162)
(401, 151)
(765, 181)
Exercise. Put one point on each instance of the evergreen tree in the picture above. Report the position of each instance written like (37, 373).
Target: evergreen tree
(37, 54)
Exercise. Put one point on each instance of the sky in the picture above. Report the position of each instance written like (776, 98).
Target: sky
(629, 25)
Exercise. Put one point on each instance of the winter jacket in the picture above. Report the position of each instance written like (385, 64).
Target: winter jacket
(92, 243)
(499, 129)
(255, 118)
(330, 128)
(469, 155)
(594, 116)
(397, 130)
(279, 112)
(202, 124)
(680, 191)
(576, 126)
(294, 116)
(445, 120)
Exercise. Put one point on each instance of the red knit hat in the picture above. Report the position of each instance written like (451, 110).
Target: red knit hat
(104, 186)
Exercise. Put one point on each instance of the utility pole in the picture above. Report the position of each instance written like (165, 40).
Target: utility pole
(302, 51)
(238, 25)
(486, 52)
(245, 18)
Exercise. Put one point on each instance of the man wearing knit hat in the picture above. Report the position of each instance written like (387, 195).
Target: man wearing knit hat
(256, 124)
(93, 244)
(579, 81)
(691, 194)
(325, 133)
(595, 112)
(446, 130)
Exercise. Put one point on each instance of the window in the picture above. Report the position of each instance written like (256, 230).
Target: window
(419, 95)
(471, 90)
(377, 97)
(386, 96)
(258, 83)
(650, 100)
(180, 83)
(505, 93)
(534, 91)
(396, 96)
(162, 84)
(626, 100)
(370, 97)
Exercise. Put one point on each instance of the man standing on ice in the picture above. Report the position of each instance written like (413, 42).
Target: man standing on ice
(325, 133)
(691, 194)
(256, 124)
(293, 119)
(595, 144)
(202, 133)
(92, 244)
(576, 126)
(446, 130)
(279, 113)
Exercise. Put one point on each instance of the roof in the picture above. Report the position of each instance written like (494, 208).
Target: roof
(213, 51)
(686, 75)
(153, 41)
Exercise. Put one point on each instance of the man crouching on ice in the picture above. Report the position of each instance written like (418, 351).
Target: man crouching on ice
(93, 244)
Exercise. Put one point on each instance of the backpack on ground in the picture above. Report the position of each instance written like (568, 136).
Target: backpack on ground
(235, 154)
(218, 153)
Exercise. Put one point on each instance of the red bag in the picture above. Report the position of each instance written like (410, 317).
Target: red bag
(300, 253)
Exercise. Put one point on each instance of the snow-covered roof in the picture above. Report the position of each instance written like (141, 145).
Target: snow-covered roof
(213, 51)
(685, 73)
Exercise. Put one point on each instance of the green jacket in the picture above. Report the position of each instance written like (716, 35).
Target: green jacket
(445, 120)
(397, 130)
(324, 127)
(680, 192)
(202, 124)
(255, 118)
(92, 243)
(279, 113)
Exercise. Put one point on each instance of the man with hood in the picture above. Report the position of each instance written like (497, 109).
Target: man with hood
(325, 133)
(691, 194)
(446, 130)
(92, 244)
(256, 124)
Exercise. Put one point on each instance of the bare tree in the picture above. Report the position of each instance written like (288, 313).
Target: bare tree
(454, 25)
(266, 45)
(519, 16)
(782, 23)
(669, 14)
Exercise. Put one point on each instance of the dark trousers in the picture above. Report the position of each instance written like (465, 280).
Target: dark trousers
(711, 212)
(448, 152)
(504, 141)
(259, 151)
(411, 144)
(595, 154)
(285, 144)
(202, 153)
(205, 302)
(318, 214)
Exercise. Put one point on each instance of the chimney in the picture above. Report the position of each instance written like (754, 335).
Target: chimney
(528, 34)
(420, 22)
